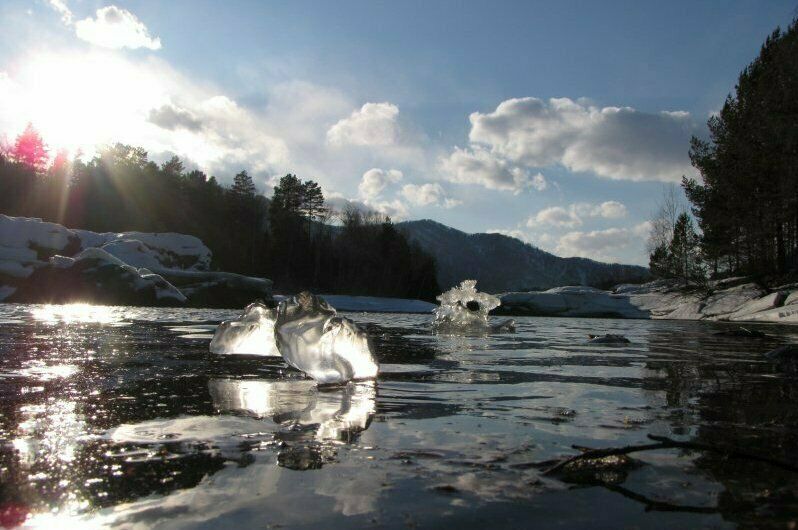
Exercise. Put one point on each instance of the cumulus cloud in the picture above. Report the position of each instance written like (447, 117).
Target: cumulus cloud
(614, 142)
(480, 166)
(611, 210)
(374, 124)
(112, 27)
(602, 244)
(555, 216)
(573, 215)
(172, 117)
(427, 195)
(375, 180)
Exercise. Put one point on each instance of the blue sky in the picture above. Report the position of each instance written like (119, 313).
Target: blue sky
(556, 122)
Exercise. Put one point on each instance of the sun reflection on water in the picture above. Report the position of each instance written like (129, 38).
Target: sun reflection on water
(76, 313)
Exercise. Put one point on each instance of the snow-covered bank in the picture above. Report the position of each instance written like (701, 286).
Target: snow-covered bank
(731, 300)
(47, 262)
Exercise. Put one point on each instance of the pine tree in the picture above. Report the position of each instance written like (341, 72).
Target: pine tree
(243, 186)
(30, 149)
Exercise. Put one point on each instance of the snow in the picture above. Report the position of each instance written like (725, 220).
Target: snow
(251, 334)
(97, 258)
(573, 302)
(756, 305)
(22, 232)
(313, 339)
(730, 300)
(15, 269)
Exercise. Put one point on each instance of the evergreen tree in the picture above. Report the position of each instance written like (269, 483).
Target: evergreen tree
(30, 149)
(747, 200)
(243, 186)
(684, 252)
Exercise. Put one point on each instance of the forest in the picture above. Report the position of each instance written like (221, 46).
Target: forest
(745, 201)
(293, 238)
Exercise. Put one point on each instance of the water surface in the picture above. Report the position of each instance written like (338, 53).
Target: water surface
(119, 417)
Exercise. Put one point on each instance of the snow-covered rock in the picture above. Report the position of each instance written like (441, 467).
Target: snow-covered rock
(35, 253)
(767, 302)
(97, 276)
(571, 302)
(727, 301)
(738, 299)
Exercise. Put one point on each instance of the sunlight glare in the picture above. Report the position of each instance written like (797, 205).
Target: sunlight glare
(75, 313)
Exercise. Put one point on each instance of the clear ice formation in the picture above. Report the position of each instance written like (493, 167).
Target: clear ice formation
(251, 334)
(465, 308)
(314, 340)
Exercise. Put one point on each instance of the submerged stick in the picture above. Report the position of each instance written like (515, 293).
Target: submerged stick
(663, 442)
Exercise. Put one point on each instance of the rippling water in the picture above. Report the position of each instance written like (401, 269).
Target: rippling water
(120, 417)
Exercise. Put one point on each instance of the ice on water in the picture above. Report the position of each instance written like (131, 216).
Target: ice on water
(465, 308)
(313, 339)
(251, 334)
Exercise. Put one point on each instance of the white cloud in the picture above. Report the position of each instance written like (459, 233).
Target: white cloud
(611, 210)
(604, 245)
(427, 195)
(614, 142)
(555, 216)
(62, 9)
(573, 216)
(375, 180)
(113, 27)
(374, 124)
(480, 166)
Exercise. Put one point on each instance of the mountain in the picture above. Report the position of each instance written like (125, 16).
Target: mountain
(501, 263)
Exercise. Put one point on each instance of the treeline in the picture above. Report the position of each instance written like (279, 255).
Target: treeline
(746, 200)
(292, 238)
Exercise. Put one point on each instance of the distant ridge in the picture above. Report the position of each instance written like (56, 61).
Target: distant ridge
(501, 263)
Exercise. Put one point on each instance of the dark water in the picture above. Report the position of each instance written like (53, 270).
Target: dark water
(119, 417)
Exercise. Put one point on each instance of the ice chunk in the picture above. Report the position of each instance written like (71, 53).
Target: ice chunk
(465, 308)
(328, 348)
(252, 334)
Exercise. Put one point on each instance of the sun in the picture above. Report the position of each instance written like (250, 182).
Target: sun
(79, 101)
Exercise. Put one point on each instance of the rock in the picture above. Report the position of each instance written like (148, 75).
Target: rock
(571, 302)
(608, 339)
(742, 333)
(97, 276)
(724, 303)
(792, 298)
(219, 289)
(46, 262)
(769, 301)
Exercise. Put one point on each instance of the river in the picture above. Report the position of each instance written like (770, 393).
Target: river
(119, 417)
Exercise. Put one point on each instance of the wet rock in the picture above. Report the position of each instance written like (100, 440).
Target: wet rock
(741, 332)
(608, 338)
(608, 470)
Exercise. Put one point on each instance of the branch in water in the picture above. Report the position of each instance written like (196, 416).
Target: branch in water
(667, 443)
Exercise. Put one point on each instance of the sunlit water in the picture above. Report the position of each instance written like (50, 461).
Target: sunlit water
(121, 417)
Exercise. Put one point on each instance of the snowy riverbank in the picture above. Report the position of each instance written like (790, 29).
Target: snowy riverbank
(733, 299)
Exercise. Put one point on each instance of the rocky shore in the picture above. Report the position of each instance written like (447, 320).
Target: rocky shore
(733, 299)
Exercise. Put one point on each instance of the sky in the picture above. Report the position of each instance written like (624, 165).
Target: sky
(559, 123)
